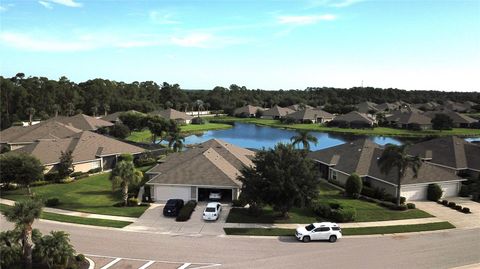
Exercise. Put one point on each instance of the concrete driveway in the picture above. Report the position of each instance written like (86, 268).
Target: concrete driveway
(154, 221)
(459, 219)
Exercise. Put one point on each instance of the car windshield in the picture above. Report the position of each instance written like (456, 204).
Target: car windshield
(309, 227)
(210, 209)
(171, 203)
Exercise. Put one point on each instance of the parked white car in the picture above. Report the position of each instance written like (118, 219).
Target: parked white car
(215, 195)
(212, 211)
(319, 231)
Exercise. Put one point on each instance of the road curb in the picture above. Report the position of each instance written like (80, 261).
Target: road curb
(91, 263)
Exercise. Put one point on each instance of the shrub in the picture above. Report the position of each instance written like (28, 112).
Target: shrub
(464, 191)
(52, 202)
(400, 207)
(67, 180)
(334, 205)
(466, 210)
(39, 183)
(52, 176)
(198, 120)
(288, 120)
(451, 204)
(132, 201)
(144, 160)
(95, 170)
(238, 203)
(354, 185)
(186, 211)
(445, 202)
(439, 202)
(344, 214)
(402, 200)
(367, 191)
(434, 192)
(321, 209)
(119, 130)
(458, 207)
(80, 258)
(411, 206)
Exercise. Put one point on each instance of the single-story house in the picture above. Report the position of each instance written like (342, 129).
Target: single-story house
(313, 115)
(89, 151)
(192, 174)
(247, 111)
(19, 136)
(298, 107)
(172, 114)
(353, 119)
(459, 120)
(277, 112)
(83, 122)
(337, 163)
(410, 120)
(115, 117)
(388, 106)
(367, 107)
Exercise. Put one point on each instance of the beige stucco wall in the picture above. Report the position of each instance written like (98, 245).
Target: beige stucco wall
(85, 167)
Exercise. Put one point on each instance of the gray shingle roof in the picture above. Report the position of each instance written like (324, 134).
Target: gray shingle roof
(409, 118)
(354, 116)
(49, 129)
(366, 107)
(171, 114)
(84, 122)
(248, 109)
(278, 111)
(310, 114)
(455, 116)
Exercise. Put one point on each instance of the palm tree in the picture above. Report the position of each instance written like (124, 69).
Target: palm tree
(23, 214)
(55, 249)
(394, 156)
(30, 111)
(70, 109)
(304, 137)
(185, 106)
(94, 110)
(176, 142)
(125, 174)
(56, 109)
(199, 104)
(106, 108)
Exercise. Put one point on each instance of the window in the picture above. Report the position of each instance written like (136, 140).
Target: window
(322, 229)
(210, 209)
(336, 228)
(309, 227)
(333, 175)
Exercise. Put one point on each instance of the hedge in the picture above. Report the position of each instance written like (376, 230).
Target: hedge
(186, 211)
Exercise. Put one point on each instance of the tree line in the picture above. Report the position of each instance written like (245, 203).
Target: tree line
(40, 97)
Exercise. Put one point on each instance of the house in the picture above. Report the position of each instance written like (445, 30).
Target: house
(459, 120)
(172, 114)
(194, 173)
(115, 117)
(298, 107)
(89, 151)
(311, 115)
(409, 120)
(450, 152)
(337, 163)
(367, 107)
(353, 119)
(277, 112)
(18, 136)
(84, 122)
(388, 106)
(247, 111)
(454, 106)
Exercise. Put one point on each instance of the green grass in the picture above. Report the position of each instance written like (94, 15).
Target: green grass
(78, 220)
(345, 231)
(381, 131)
(92, 195)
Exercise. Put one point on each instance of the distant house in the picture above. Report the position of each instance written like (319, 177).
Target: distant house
(298, 107)
(192, 174)
(459, 120)
(19, 136)
(277, 112)
(454, 106)
(247, 111)
(353, 119)
(360, 157)
(83, 122)
(367, 107)
(452, 153)
(410, 120)
(172, 114)
(89, 151)
(311, 115)
(115, 117)
(388, 106)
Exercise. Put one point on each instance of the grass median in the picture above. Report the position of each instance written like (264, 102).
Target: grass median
(346, 231)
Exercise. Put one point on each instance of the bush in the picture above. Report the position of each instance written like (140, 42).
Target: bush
(464, 191)
(198, 120)
(52, 176)
(411, 206)
(132, 202)
(445, 202)
(67, 180)
(238, 203)
(344, 214)
(144, 160)
(39, 183)
(52, 202)
(354, 185)
(400, 207)
(186, 211)
(458, 207)
(434, 192)
(119, 130)
(367, 191)
(402, 200)
(451, 204)
(439, 202)
(95, 170)
(466, 210)
(80, 258)
(334, 205)
(288, 121)
(321, 209)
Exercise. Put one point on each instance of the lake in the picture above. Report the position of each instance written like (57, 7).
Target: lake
(253, 136)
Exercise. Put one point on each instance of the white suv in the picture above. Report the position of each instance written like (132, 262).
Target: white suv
(212, 211)
(319, 231)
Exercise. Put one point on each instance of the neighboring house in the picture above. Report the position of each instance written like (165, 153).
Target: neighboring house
(367, 107)
(192, 174)
(89, 151)
(409, 120)
(459, 120)
(83, 122)
(115, 117)
(388, 106)
(18, 136)
(337, 163)
(277, 112)
(454, 106)
(353, 119)
(298, 107)
(172, 114)
(313, 115)
(450, 152)
(427, 106)
(247, 111)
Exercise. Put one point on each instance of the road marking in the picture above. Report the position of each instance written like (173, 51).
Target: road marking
(185, 265)
(199, 264)
(146, 265)
(111, 263)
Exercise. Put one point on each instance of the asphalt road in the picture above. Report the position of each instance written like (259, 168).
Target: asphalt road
(444, 249)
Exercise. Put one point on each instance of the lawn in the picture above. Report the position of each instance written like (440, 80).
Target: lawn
(366, 211)
(92, 195)
(345, 231)
(78, 220)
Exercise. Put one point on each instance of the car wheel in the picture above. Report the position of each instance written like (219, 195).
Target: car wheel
(332, 238)
(306, 239)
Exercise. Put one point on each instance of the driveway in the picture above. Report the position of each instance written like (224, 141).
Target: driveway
(154, 221)
(459, 219)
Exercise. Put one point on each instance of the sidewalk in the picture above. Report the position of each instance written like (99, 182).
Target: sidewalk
(75, 213)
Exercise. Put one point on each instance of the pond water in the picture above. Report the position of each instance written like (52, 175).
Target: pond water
(257, 137)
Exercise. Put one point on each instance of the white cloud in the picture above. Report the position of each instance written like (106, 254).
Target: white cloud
(305, 20)
(68, 3)
(162, 18)
(46, 4)
(193, 40)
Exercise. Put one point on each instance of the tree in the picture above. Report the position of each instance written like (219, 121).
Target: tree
(10, 248)
(199, 104)
(176, 141)
(434, 192)
(353, 186)
(56, 109)
(119, 130)
(55, 249)
(158, 127)
(396, 157)
(106, 108)
(94, 110)
(23, 214)
(30, 111)
(125, 174)
(20, 168)
(70, 109)
(285, 177)
(65, 166)
(304, 137)
(442, 122)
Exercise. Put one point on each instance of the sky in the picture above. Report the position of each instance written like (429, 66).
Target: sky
(260, 44)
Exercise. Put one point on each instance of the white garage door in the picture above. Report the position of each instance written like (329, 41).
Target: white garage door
(414, 193)
(449, 189)
(163, 193)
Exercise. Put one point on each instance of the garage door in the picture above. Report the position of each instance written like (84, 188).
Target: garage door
(163, 193)
(413, 193)
(449, 189)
